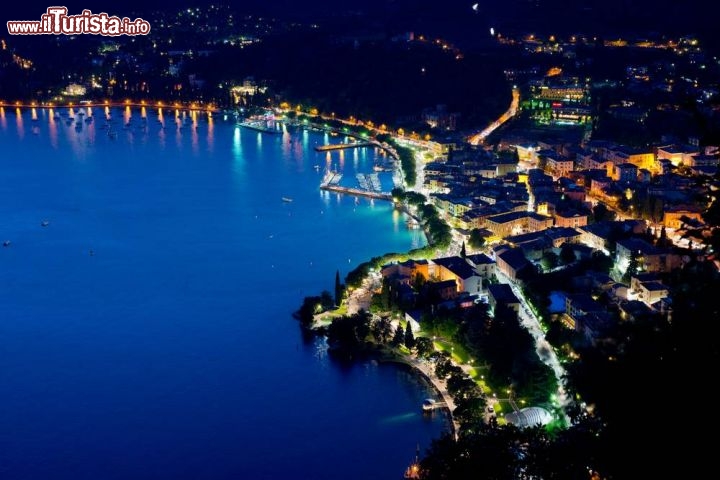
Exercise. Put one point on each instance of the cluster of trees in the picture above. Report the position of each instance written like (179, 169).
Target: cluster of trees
(507, 452)
(503, 344)
(387, 300)
(476, 240)
(330, 122)
(407, 162)
(643, 205)
(313, 305)
(353, 335)
(550, 259)
(439, 233)
(359, 333)
(632, 384)
(468, 397)
(602, 214)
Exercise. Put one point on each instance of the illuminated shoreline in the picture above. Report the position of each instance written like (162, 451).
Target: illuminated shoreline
(194, 106)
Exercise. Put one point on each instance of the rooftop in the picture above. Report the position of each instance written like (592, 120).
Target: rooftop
(456, 265)
(507, 217)
(640, 246)
(514, 257)
(529, 417)
(584, 302)
(479, 259)
(654, 286)
(502, 293)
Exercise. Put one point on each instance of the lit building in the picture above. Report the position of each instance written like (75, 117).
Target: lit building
(570, 115)
(578, 305)
(638, 157)
(511, 261)
(678, 155)
(703, 161)
(562, 93)
(558, 166)
(456, 269)
(527, 153)
(596, 235)
(74, 90)
(650, 258)
(514, 223)
(440, 118)
(502, 294)
(455, 207)
(624, 173)
(404, 272)
(648, 289)
(483, 265)
(598, 185)
(571, 219)
(675, 217)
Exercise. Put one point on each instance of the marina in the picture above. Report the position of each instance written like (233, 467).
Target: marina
(331, 178)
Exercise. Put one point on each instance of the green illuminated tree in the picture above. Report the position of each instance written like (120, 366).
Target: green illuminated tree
(476, 241)
(339, 290)
(409, 337)
(399, 337)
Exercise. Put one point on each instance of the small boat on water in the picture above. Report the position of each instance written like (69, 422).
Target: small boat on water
(44, 223)
(287, 199)
(7, 243)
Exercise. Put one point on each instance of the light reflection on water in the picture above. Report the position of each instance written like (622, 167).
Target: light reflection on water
(177, 330)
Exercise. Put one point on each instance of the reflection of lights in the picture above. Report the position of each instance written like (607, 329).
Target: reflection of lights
(236, 140)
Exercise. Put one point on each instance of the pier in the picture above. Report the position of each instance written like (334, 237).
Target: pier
(342, 146)
(260, 127)
(357, 192)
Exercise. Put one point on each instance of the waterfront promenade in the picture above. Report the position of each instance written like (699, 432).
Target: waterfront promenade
(195, 106)
(426, 369)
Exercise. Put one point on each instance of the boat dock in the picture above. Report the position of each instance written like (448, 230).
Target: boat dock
(356, 191)
(331, 178)
(259, 126)
(431, 404)
(342, 146)
(369, 182)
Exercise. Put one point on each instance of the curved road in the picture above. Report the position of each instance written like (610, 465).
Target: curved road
(478, 138)
(544, 350)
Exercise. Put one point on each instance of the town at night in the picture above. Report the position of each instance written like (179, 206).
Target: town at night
(383, 240)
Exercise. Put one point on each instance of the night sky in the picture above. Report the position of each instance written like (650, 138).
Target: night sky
(688, 14)
(451, 19)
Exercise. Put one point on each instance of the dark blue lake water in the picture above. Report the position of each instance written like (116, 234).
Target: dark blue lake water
(146, 330)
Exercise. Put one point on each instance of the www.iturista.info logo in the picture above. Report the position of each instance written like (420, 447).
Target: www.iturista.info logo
(56, 21)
